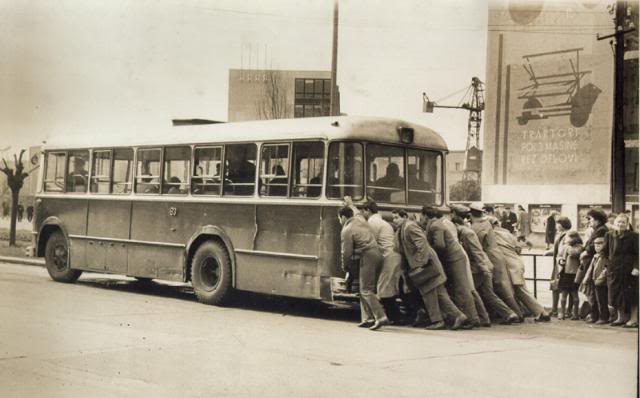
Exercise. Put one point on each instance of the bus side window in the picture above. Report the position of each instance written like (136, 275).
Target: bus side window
(122, 170)
(206, 177)
(101, 172)
(148, 171)
(344, 177)
(308, 169)
(240, 169)
(54, 172)
(176, 170)
(274, 169)
(425, 177)
(385, 166)
(77, 171)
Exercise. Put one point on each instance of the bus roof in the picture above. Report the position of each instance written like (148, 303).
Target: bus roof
(325, 128)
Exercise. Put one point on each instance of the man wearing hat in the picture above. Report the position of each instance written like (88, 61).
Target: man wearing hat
(454, 260)
(501, 282)
(480, 267)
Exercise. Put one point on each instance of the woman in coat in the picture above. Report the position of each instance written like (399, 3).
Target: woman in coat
(621, 248)
(550, 229)
(598, 224)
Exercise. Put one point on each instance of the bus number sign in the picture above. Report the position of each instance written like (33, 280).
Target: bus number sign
(173, 211)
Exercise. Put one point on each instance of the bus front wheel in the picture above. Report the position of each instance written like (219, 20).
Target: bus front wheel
(56, 257)
(211, 273)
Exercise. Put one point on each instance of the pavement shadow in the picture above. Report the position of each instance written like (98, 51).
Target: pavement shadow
(285, 306)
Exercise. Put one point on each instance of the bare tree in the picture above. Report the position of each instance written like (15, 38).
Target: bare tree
(273, 101)
(15, 180)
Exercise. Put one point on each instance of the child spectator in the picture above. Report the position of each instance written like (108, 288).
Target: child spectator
(595, 282)
(569, 263)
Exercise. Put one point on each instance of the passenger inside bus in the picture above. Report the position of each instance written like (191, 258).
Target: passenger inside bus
(174, 186)
(241, 174)
(77, 181)
(420, 191)
(278, 185)
(388, 186)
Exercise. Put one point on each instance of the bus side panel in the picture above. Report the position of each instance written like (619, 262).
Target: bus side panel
(156, 223)
(290, 230)
(273, 275)
(73, 214)
(110, 219)
(330, 264)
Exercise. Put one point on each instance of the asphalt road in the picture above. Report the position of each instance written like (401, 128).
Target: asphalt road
(105, 337)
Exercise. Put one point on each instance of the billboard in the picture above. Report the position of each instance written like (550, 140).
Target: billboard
(549, 120)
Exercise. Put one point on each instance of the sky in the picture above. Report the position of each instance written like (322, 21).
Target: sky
(76, 66)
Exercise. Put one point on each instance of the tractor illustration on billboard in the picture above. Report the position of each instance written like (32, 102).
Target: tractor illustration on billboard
(560, 93)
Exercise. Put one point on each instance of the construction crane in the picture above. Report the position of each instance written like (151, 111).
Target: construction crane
(473, 101)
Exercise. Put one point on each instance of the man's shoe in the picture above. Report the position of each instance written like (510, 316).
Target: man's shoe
(601, 322)
(459, 322)
(366, 324)
(543, 318)
(591, 320)
(617, 323)
(421, 319)
(485, 324)
(436, 326)
(513, 318)
(379, 323)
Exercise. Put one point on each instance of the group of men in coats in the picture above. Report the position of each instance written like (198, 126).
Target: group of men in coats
(454, 269)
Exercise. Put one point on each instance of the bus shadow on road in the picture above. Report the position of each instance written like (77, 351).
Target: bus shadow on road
(286, 306)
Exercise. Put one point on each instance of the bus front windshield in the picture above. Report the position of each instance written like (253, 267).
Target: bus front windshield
(394, 174)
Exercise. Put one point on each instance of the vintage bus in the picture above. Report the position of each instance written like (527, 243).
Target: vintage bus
(248, 206)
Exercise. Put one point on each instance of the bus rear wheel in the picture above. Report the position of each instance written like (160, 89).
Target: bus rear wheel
(211, 273)
(56, 257)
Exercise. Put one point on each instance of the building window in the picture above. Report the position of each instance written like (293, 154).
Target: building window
(313, 97)
(457, 166)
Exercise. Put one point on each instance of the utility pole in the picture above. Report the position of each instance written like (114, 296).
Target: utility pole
(333, 106)
(617, 141)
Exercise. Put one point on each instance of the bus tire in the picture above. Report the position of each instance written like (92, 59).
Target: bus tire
(142, 280)
(56, 257)
(211, 273)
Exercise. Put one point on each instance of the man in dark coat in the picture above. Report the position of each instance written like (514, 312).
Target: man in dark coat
(454, 260)
(481, 268)
(501, 281)
(621, 249)
(550, 230)
(426, 272)
(509, 220)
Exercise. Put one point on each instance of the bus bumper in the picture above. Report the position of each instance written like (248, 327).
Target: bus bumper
(339, 290)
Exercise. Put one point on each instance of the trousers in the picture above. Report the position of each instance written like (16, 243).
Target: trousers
(370, 265)
(484, 287)
(526, 298)
(439, 305)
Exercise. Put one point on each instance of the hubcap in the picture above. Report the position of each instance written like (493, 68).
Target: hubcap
(60, 257)
(210, 273)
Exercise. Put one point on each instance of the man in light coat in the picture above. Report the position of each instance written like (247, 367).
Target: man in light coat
(389, 278)
(357, 239)
(425, 270)
(501, 281)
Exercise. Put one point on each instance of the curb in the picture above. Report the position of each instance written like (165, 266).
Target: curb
(23, 261)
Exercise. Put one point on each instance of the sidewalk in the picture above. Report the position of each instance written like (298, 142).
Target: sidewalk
(21, 260)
